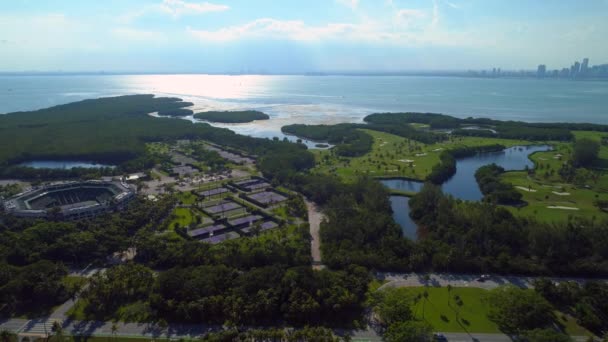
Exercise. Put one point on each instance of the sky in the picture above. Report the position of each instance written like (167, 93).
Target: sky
(299, 36)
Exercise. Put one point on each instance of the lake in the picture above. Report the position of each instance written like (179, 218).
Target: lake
(326, 99)
(401, 214)
(463, 184)
(63, 164)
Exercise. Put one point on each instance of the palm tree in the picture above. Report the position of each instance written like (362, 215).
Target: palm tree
(426, 297)
(114, 329)
(57, 329)
(449, 293)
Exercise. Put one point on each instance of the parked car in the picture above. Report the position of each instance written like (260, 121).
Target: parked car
(484, 277)
(439, 338)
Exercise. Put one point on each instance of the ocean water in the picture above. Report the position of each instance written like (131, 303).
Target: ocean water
(327, 99)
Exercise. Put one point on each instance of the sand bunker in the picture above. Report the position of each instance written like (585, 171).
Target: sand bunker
(561, 193)
(438, 149)
(525, 189)
(560, 207)
(420, 154)
(406, 160)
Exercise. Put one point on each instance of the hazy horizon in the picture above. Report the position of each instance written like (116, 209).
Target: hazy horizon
(236, 36)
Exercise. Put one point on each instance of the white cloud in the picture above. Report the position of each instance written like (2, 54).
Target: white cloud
(352, 4)
(178, 8)
(274, 29)
(174, 8)
(132, 34)
(421, 31)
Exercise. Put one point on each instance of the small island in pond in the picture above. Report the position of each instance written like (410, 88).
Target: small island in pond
(243, 116)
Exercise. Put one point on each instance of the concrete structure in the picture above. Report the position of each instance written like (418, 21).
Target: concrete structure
(70, 200)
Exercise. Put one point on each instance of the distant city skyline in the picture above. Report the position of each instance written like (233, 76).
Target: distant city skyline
(217, 36)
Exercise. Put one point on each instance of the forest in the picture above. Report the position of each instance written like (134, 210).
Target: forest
(493, 189)
(349, 141)
(115, 131)
(242, 116)
(503, 129)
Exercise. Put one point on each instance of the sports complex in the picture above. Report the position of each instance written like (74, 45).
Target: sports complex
(70, 200)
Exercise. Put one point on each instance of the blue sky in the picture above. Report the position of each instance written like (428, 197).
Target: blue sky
(299, 36)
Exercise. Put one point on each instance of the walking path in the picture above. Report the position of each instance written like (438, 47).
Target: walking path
(314, 220)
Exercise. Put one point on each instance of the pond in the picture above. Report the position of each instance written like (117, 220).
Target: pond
(402, 184)
(63, 164)
(401, 214)
(463, 184)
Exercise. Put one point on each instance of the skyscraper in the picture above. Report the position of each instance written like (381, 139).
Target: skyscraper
(585, 66)
(540, 72)
(575, 69)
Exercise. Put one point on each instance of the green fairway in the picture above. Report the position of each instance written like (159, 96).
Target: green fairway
(443, 313)
(395, 156)
(545, 188)
(549, 198)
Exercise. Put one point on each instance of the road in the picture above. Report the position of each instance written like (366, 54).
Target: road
(314, 220)
(462, 280)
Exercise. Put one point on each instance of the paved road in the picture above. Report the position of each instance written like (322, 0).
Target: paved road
(314, 220)
(191, 331)
(462, 280)
(13, 325)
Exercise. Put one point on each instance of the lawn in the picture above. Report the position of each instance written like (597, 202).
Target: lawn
(547, 187)
(395, 156)
(183, 217)
(187, 198)
(442, 312)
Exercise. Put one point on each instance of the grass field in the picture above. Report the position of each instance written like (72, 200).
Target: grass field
(187, 198)
(183, 217)
(546, 187)
(395, 156)
(443, 313)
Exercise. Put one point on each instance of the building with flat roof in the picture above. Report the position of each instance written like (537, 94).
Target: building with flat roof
(70, 200)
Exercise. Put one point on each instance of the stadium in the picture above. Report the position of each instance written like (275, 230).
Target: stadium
(70, 200)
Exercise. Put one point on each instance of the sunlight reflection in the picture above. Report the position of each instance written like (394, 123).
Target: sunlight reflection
(210, 86)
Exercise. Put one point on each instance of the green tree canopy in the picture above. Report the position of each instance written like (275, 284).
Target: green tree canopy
(546, 335)
(516, 310)
(393, 305)
(409, 331)
(585, 152)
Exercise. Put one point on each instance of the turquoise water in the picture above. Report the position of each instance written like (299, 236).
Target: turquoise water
(327, 99)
